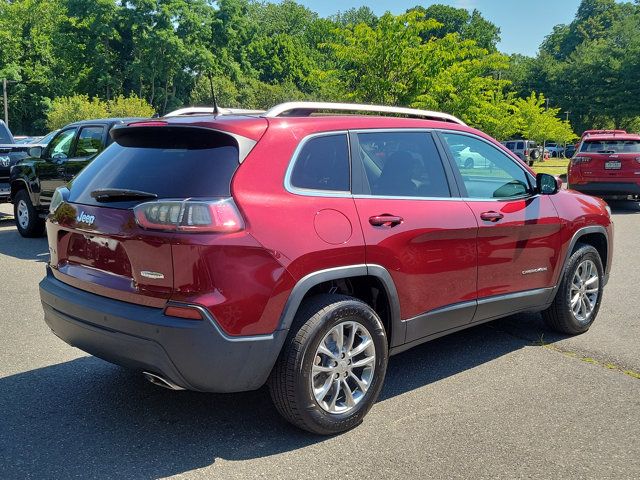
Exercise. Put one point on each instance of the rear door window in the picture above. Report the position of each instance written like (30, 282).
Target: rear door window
(175, 173)
(322, 164)
(403, 164)
(520, 145)
(89, 141)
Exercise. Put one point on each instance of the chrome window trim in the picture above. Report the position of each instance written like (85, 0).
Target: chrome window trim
(457, 199)
(392, 130)
(390, 197)
(312, 192)
(347, 194)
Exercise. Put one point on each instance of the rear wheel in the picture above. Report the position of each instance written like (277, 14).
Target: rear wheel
(577, 300)
(28, 222)
(330, 372)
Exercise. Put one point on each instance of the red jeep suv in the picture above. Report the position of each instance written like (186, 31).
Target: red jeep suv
(300, 247)
(606, 164)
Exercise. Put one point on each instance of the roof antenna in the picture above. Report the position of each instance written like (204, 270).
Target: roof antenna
(213, 95)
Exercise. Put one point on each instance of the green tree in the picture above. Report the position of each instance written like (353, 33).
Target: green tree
(64, 110)
(539, 123)
(469, 26)
(385, 64)
(130, 106)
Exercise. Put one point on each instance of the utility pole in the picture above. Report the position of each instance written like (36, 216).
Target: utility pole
(6, 104)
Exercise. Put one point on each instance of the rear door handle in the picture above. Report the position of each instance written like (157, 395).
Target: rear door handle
(385, 220)
(491, 216)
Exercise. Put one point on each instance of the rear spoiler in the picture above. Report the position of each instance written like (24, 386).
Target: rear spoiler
(160, 134)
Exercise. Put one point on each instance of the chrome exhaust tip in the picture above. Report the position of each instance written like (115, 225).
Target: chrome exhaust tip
(160, 381)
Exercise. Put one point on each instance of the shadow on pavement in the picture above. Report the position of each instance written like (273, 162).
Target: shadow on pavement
(624, 207)
(14, 245)
(86, 418)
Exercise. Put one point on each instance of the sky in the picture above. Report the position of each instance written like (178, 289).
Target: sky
(523, 23)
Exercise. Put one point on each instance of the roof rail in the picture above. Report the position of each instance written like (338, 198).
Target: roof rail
(209, 111)
(293, 109)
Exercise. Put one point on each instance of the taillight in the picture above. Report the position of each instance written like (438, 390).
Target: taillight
(526, 153)
(220, 216)
(579, 160)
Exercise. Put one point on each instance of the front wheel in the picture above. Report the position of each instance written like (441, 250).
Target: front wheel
(578, 298)
(332, 368)
(28, 222)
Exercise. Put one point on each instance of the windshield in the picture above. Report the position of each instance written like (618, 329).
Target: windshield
(5, 134)
(47, 138)
(611, 146)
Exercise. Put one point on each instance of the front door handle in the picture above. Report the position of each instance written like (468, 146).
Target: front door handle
(385, 220)
(491, 216)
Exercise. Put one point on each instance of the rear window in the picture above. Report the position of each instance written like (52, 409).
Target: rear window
(611, 146)
(166, 172)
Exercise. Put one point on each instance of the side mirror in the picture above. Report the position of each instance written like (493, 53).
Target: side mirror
(546, 184)
(35, 152)
(58, 157)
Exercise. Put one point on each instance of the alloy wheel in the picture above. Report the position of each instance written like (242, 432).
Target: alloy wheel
(343, 367)
(584, 291)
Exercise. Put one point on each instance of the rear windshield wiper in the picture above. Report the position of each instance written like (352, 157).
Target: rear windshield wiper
(120, 194)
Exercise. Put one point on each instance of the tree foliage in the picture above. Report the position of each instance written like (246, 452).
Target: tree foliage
(64, 110)
(590, 67)
(89, 58)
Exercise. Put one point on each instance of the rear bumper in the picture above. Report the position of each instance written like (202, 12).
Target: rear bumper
(192, 354)
(603, 189)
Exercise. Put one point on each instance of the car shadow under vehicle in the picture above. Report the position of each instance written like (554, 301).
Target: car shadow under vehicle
(624, 207)
(90, 419)
(14, 245)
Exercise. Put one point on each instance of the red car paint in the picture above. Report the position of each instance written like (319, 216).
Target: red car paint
(442, 252)
(613, 172)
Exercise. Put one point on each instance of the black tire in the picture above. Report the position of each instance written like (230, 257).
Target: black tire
(468, 163)
(28, 223)
(290, 383)
(535, 154)
(554, 154)
(559, 316)
(530, 162)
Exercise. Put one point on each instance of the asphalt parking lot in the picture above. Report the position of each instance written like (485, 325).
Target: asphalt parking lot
(503, 400)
